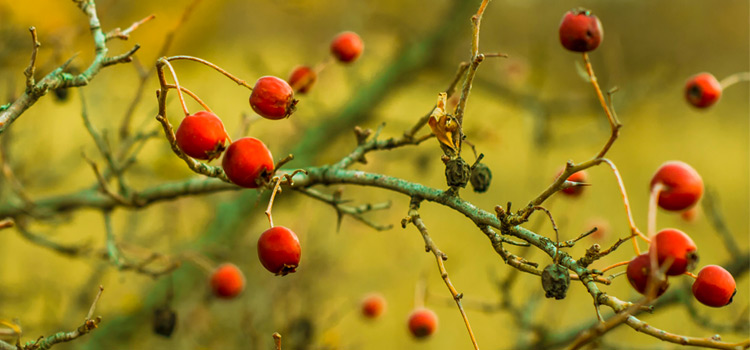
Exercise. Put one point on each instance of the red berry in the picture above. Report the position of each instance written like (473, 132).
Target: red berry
(373, 305)
(227, 281)
(580, 176)
(675, 245)
(422, 323)
(279, 250)
(639, 273)
(302, 79)
(202, 136)
(272, 98)
(347, 46)
(683, 186)
(248, 162)
(602, 228)
(714, 286)
(702, 90)
(580, 31)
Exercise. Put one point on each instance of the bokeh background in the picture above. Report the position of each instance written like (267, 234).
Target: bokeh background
(528, 114)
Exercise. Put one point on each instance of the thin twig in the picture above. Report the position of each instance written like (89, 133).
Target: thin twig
(31, 69)
(613, 122)
(430, 246)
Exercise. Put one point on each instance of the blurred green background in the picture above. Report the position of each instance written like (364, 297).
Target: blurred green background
(528, 114)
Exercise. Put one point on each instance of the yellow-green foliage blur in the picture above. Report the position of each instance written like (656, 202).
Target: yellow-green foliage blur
(528, 114)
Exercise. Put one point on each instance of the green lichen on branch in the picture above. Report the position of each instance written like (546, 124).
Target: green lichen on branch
(58, 79)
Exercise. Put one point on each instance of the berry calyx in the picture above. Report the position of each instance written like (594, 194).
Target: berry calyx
(202, 136)
(674, 245)
(227, 281)
(422, 323)
(702, 90)
(347, 47)
(639, 274)
(683, 186)
(575, 191)
(302, 79)
(279, 250)
(373, 305)
(272, 98)
(580, 31)
(714, 286)
(248, 163)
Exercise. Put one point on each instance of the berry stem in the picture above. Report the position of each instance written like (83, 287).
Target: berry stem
(276, 188)
(652, 204)
(610, 267)
(633, 228)
(322, 65)
(734, 79)
(191, 94)
(179, 89)
(219, 69)
(200, 260)
(690, 274)
(420, 291)
(613, 122)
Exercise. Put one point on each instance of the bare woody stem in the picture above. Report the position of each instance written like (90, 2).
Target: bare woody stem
(58, 78)
(29, 72)
(416, 220)
(476, 59)
(613, 122)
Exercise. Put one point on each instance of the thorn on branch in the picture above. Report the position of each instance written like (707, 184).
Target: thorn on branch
(125, 34)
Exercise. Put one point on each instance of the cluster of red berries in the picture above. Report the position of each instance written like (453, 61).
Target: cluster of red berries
(682, 188)
(681, 185)
(279, 252)
(422, 322)
(346, 47)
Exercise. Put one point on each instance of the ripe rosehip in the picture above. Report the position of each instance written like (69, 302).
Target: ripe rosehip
(423, 322)
(675, 245)
(272, 98)
(702, 90)
(202, 136)
(683, 186)
(580, 176)
(279, 250)
(639, 274)
(373, 305)
(302, 79)
(347, 46)
(714, 286)
(227, 281)
(580, 31)
(248, 162)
